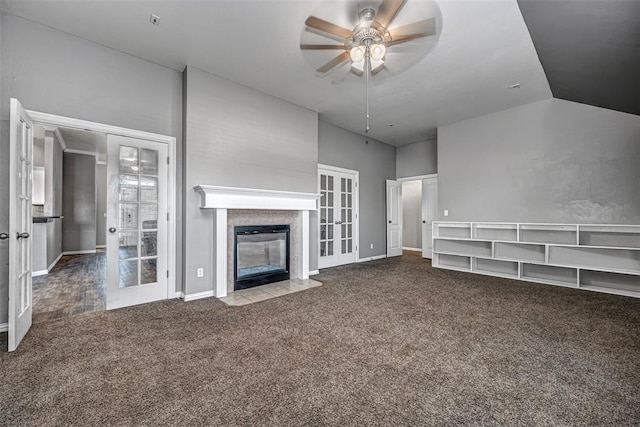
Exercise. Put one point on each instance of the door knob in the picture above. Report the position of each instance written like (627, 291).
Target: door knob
(22, 235)
(424, 222)
(112, 230)
(389, 221)
(4, 236)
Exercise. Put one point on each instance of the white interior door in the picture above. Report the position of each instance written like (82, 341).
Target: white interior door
(137, 221)
(20, 223)
(338, 217)
(429, 209)
(394, 218)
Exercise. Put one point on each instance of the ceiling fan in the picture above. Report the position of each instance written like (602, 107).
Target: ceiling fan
(366, 44)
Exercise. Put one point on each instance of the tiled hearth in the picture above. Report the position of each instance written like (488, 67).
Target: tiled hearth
(272, 290)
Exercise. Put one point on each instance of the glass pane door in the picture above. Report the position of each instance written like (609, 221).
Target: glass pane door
(327, 208)
(137, 216)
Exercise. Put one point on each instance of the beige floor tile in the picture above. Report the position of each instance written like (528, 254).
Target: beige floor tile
(259, 297)
(236, 300)
(277, 291)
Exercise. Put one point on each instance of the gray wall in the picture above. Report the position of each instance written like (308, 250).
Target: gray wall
(86, 81)
(549, 161)
(376, 163)
(53, 184)
(239, 137)
(78, 203)
(101, 205)
(412, 214)
(419, 158)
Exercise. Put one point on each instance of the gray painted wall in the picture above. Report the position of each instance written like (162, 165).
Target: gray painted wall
(53, 205)
(549, 161)
(412, 214)
(239, 137)
(101, 205)
(419, 158)
(78, 203)
(376, 163)
(86, 81)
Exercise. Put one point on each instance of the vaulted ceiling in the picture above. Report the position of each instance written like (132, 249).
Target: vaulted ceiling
(484, 60)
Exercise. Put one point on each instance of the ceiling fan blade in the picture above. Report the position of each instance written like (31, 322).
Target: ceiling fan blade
(407, 38)
(327, 27)
(387, 11)
(334, 62)
(322, 47)
(426, 28)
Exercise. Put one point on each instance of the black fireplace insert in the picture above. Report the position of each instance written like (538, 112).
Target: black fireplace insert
(261, 255)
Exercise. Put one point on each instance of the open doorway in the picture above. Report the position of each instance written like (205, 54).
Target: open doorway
(411, 210)
(69, 230)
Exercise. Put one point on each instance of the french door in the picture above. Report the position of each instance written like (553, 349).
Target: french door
(338, 216)
(20, 223)
(137, 221)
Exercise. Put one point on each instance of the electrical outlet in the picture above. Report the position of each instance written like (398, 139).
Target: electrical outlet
(446, 212)
(372, 246)
(200, 272)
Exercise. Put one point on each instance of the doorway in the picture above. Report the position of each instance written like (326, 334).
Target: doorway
(411, 210)
(141, 195)
(338, 217)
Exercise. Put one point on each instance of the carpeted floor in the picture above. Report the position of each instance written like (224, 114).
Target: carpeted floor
(389, 342)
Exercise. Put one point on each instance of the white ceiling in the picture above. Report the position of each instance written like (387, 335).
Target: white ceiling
(484, 47)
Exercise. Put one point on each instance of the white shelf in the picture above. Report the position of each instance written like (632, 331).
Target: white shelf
(594, 257)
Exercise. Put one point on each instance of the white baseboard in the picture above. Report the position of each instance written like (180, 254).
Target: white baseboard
(372, 258)
(314, 272)
(179, 294)
(4, 327)
(411, 249)
(39, 273)
(199, 295)
(101, 246)
(55, 261)
(88, 251)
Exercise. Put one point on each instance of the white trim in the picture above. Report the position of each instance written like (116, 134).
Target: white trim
(215, 197)
(52, 119)
(83, 152)
(199, 295)
(39, 273)
(101, 246)
(179, 294)
(55, 120)
(336, 169)
(55, 261)
(406, 248)
(373, 258)
(304, 219)
(56, 130)
(4, 327)
(221, 237)
(88, 251)
(314, 273)
(417, 178)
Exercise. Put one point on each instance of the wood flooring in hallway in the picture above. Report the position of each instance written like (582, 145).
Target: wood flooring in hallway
(77, 284)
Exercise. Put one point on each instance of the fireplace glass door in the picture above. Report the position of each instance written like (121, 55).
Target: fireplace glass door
(261, 255)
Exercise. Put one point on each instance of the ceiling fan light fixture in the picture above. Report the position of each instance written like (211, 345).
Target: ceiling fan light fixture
(357, 54)
(376, 65)
(378, 51)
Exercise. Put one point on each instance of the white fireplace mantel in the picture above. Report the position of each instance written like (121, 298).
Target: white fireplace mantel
(214, 196)
(220, 199)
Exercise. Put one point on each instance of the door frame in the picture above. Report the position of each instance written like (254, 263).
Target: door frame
(418, 178)
(55, 120)
(356, 205)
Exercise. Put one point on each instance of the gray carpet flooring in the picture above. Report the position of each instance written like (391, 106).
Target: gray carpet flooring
(389, 342)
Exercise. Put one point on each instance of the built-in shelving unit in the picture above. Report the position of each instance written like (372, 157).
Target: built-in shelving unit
(603, 258)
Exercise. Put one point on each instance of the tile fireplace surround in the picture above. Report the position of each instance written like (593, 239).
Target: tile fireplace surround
(243, 206)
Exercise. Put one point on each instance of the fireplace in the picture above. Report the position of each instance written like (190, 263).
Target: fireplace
(261, 255)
